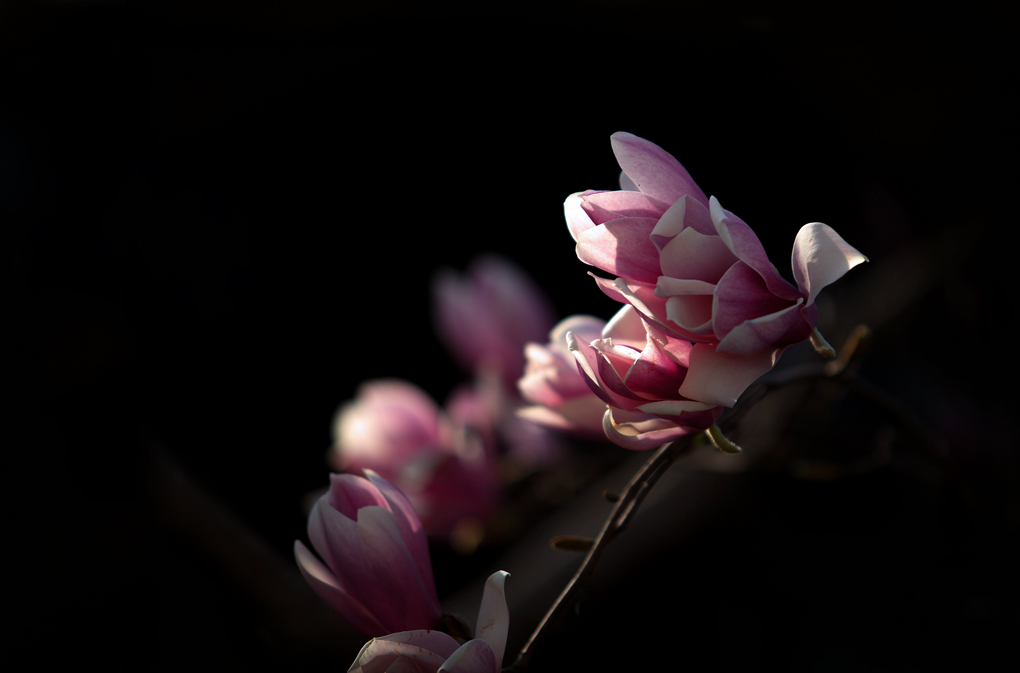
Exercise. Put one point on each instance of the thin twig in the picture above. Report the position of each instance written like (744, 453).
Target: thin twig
(630, 500)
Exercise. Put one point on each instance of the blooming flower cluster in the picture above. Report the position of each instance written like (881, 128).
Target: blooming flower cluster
(705, 311)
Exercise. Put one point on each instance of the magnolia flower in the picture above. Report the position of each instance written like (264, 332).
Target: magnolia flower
(424, 651)
(638, 371)
(486, 317)
(698, 273)
(442, 463)
(561, 397)
(375, 569)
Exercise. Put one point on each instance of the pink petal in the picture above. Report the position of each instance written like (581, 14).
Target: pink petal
(335, 537)
(349, 492)
(652, 170)
(783, 327)
(411, 528)
(427, 648)
(670, 224)
(582, 415)
(742, 295)
(627, 184)
(821, 257)
(642, 297)
(404, 594)
(605, 206)
(691, 312)
(325, 584)
(621, 247)
(655, 374)
(389, 421)
(720, 378)
(493, 615)
(692, 255)
(578, 221)
(743, 242)
(632, 436)
(474, 656)
(626, 327)
(594, 368)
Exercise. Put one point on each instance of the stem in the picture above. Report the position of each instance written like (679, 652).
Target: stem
(630, 500)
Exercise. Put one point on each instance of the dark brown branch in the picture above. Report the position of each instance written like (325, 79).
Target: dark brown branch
(627, 505)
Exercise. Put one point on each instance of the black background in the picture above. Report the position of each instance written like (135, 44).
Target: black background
(219, 218)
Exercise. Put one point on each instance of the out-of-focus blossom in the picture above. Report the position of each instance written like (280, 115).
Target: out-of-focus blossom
(444, 465)
(639, 372)
(423, 651)
(560, 397)
(698, 273)
(375, 569)
(487, 316)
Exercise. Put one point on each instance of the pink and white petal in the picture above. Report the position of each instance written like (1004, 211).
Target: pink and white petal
(670, 224)
(678, 348)
(720, 378)
(687, 414)
(335, 537)
(695, 256)
(640, 436)
(349, 492)
(578, 221)
(783, 327)
(698, 217)
(692, 313)
(626, 327)
(411, 527)
(821, 257)
(744, 243)
(651, 308)
(606, 206)
(474, 656)
(742, 295)
(587, 358)
(579, 415)
(408, 665)
(612, 366)
(585, 327)
(428, 648)
(395, 573)
(325, 584)
(653, 170)
(627, 184)
(593, 366)
(621, 247)
(655, 375)
(584, 414)
(493, 622)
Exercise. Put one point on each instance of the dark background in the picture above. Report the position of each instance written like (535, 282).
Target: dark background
(218, 218)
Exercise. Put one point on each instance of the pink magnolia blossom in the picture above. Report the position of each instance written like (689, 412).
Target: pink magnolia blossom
(425, 651)
(638, 371)
(444, 465)
(561, 397)
(375, 569)
(698, 273)
(487, 316)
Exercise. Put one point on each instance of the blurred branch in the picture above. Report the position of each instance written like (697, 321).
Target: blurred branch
(300, 624)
